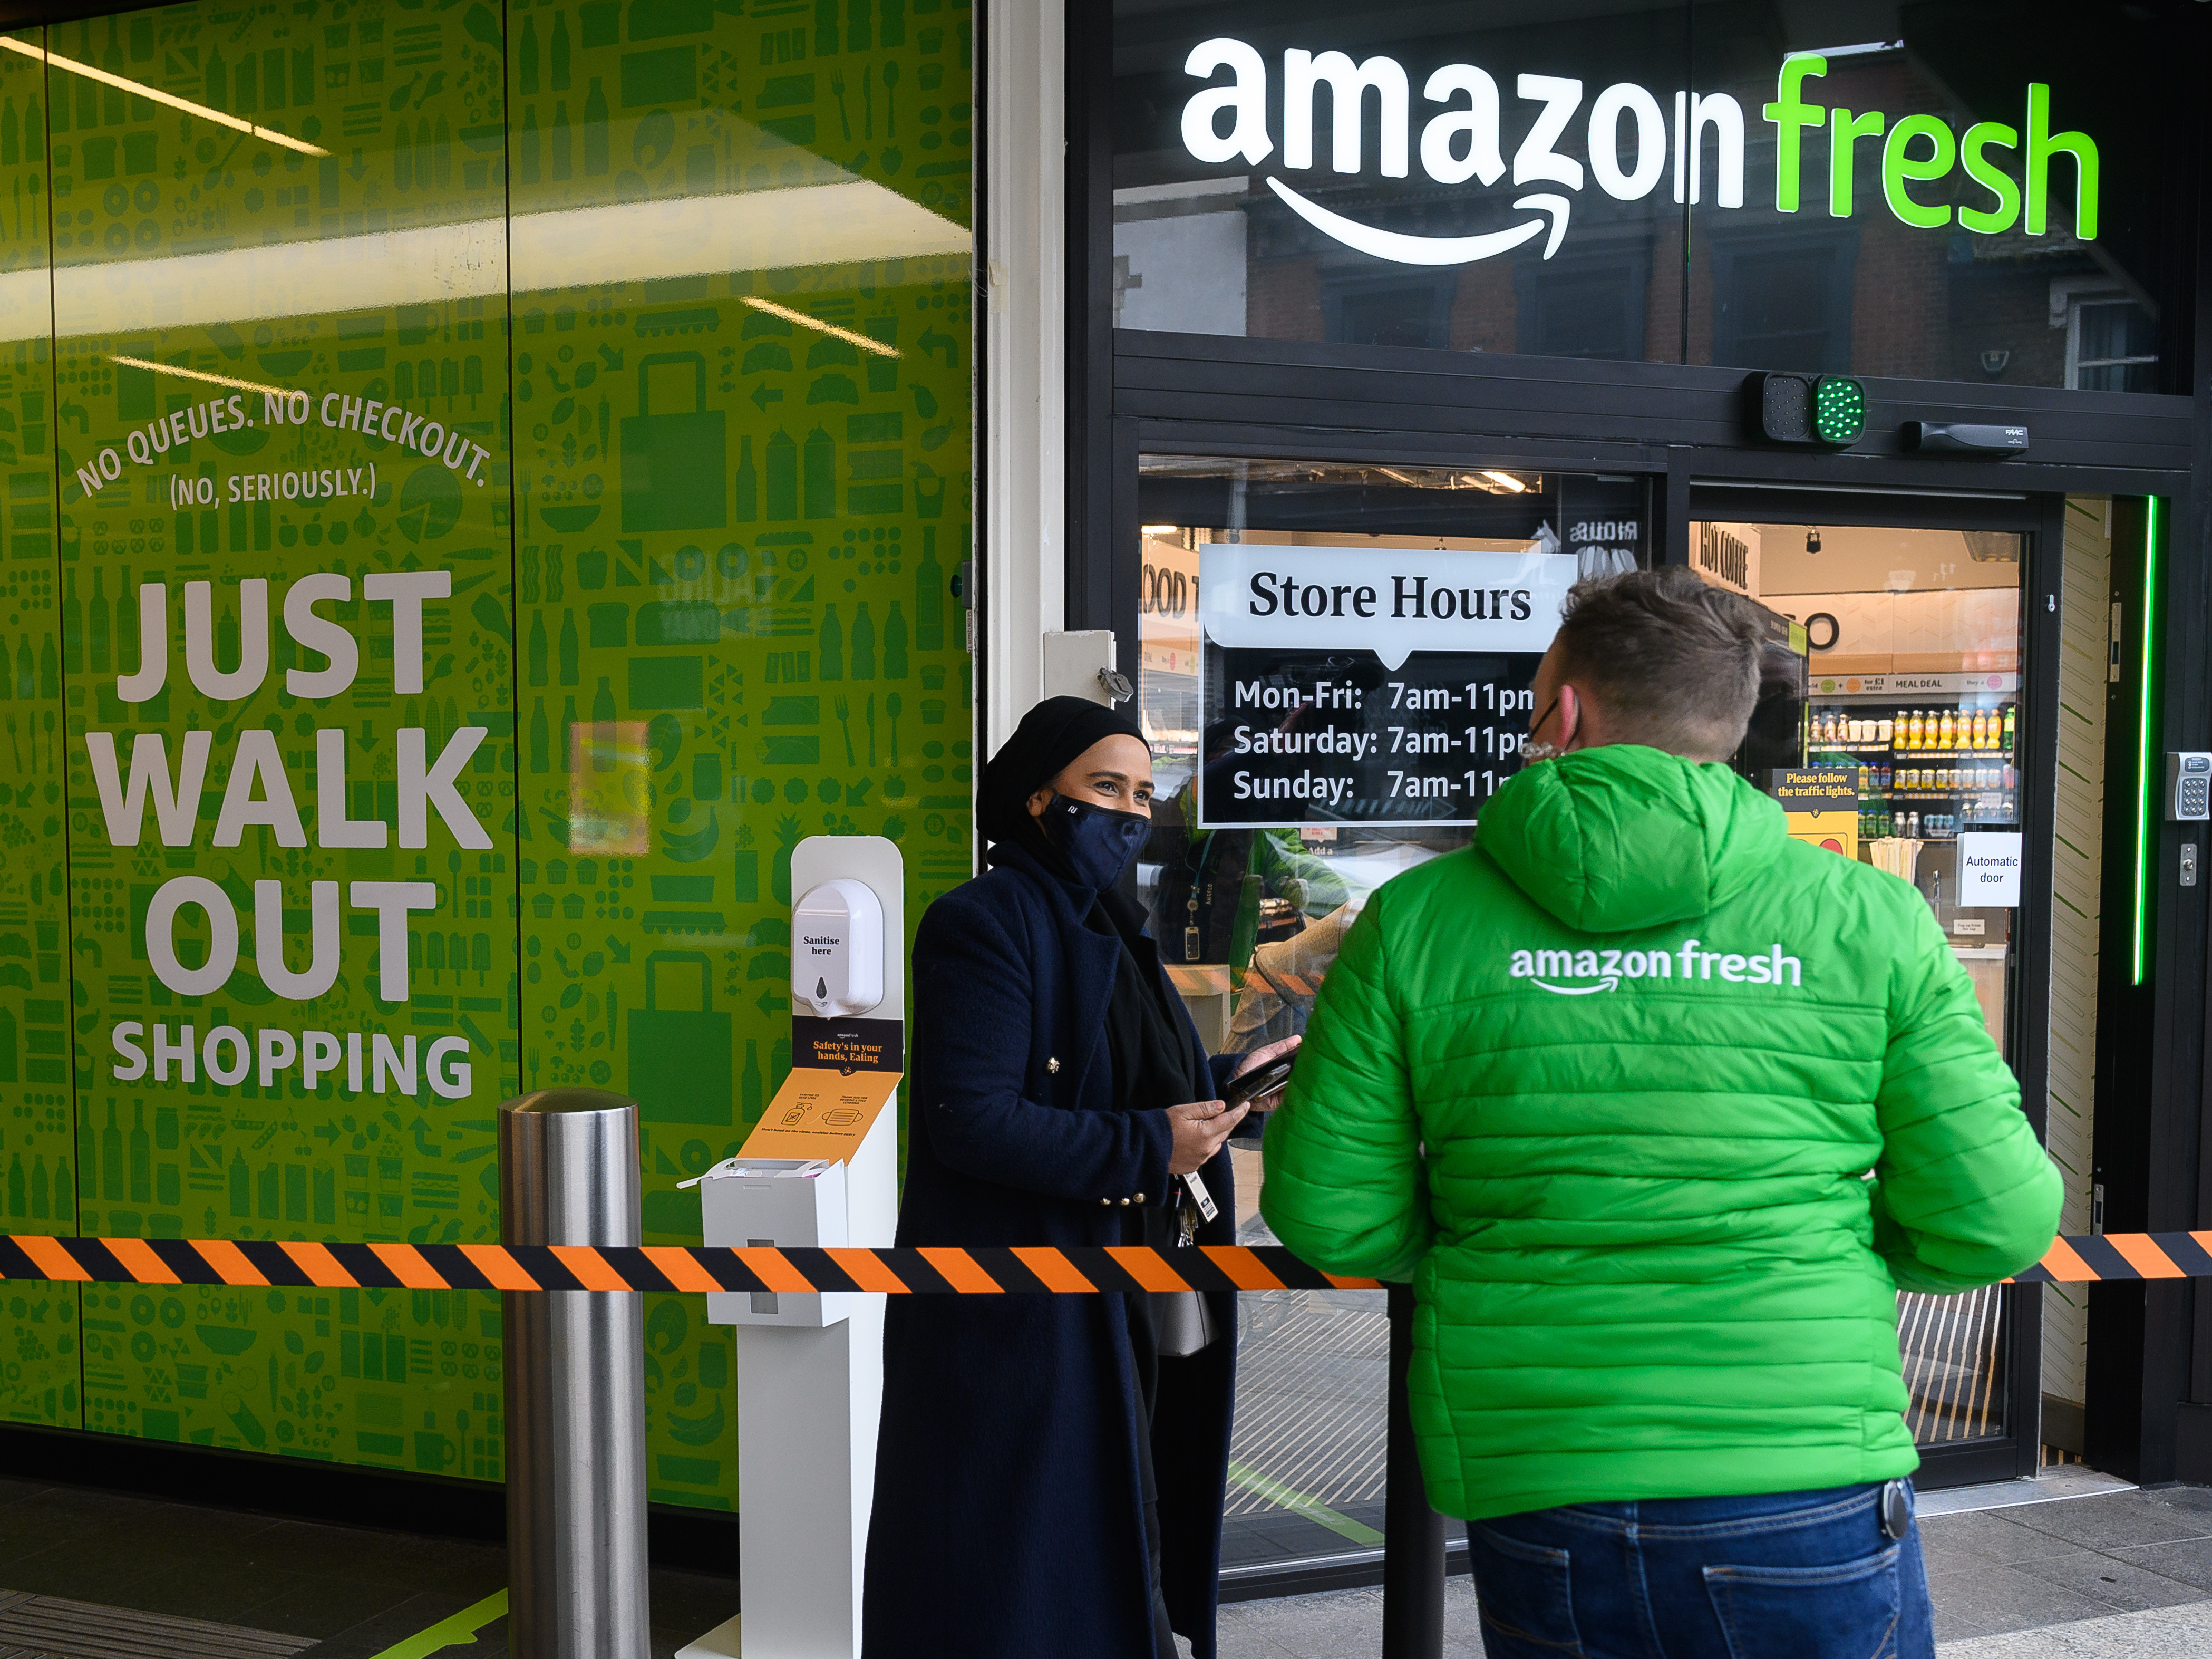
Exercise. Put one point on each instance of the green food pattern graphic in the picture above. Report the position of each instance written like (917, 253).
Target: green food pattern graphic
(678, 298)
(40, 1367)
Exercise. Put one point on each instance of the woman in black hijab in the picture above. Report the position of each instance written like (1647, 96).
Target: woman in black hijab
(1051, 1468)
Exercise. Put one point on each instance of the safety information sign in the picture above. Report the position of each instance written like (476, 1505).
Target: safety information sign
(817, 1113)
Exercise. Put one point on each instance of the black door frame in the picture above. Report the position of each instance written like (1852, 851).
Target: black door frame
(1703, 483)
(2040, 520)
(2151, 1344)
(2151, 1380)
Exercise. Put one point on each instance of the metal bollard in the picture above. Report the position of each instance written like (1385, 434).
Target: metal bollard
(575, 1386)
(1412, 1533)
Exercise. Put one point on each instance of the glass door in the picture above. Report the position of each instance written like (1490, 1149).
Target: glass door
(1352, 735)
(1894, 731)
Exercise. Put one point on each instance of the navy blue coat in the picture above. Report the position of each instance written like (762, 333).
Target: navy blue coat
(1008, 1521)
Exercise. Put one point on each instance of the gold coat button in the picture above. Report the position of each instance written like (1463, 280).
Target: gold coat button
(1052, 1065)
(1140, 1198)
(1105, 1200)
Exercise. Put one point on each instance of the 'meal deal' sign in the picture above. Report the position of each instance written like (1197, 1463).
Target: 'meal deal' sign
(1352, 685)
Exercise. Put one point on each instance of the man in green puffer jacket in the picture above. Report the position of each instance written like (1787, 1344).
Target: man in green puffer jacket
(1658, 1109)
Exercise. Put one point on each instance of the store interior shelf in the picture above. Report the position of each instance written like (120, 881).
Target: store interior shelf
(1915, 755)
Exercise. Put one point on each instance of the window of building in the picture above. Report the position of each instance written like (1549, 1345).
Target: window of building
(1391, 311)
(1783, 303)
(2111, 345)
(1592, 309)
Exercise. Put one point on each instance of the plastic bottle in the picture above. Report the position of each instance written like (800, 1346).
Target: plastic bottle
(2008, 728)
(748, 477)
(595, 129)
(894, 644)
(142, 1155)
(72, 625)
(603, 723)
(97, 623)
(110, 1157)
(929, 595)
(864, 644)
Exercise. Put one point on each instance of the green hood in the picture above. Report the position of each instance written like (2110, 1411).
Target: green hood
(1623, 836)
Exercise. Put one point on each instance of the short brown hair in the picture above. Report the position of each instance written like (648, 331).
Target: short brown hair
(1673, 661)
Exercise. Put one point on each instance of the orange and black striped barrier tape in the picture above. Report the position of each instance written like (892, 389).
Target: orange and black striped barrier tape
(2107, 1258)
(923, 1271)
(2084, 1259)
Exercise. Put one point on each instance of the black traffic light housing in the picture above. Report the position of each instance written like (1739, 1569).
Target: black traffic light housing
(1826, 409)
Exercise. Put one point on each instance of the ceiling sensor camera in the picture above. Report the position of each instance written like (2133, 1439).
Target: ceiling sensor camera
(1812, 539)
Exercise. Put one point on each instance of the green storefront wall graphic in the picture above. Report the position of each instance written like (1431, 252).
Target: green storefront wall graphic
(548, 431)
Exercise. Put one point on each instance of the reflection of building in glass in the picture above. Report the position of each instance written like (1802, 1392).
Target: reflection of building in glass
(1534, 190)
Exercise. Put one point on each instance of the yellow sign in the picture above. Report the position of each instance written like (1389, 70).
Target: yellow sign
(1823, 806)
(1817, 789)
(1837, 831)
(820, 1115)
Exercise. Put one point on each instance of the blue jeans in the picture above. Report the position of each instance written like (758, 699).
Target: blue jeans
(1798, 1575)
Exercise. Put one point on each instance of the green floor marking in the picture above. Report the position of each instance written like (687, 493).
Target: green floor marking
(1296, 1501)
(459, 1631)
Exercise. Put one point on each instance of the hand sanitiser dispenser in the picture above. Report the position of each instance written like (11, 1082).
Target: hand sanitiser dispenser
(837, 949)
(819, 1170)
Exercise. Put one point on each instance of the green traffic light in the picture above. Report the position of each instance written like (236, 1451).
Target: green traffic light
(1838, 409)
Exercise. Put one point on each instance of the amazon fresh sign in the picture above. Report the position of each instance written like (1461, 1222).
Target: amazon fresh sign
(1635, 142)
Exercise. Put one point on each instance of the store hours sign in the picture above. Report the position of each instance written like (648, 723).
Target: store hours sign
(1355, 685)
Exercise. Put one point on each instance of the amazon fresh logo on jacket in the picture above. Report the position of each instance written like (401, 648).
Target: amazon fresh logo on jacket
(1582, 973)
(1633, 141)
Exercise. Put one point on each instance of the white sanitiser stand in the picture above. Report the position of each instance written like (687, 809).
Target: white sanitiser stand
(810, 1366)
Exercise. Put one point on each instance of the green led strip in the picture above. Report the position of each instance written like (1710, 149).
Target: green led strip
(2145, 815)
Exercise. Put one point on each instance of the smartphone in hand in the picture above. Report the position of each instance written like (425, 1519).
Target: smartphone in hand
(1258, 1083)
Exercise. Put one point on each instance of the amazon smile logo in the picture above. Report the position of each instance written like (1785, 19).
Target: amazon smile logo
(1630, 140)
(1607, 970)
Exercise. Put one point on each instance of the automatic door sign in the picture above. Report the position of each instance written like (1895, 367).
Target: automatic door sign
(1365, 685)
(1989, 867)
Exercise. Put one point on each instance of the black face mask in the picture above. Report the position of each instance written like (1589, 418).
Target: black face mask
(1098, 843)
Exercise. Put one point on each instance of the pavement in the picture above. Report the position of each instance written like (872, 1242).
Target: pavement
(2073, 1566)
(2068, 1568)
